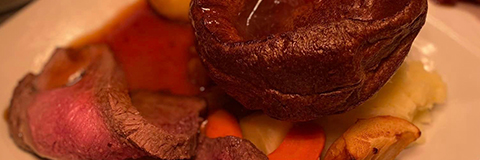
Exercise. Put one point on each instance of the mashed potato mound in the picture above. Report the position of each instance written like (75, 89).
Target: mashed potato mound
(410, 94)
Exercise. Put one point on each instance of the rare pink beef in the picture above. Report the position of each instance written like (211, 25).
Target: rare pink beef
(79, 108)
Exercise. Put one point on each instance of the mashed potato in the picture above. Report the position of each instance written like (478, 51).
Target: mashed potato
(411, 94)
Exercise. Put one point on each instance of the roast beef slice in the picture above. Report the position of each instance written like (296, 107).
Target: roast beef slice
(228, 148)
(79, 108)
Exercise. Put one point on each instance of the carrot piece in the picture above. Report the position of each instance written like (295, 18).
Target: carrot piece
(304, 141)
(154, 52)
(220, 123)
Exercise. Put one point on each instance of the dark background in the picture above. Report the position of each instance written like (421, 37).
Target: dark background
(10, 7)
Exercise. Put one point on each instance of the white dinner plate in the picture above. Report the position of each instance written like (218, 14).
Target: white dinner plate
(450, 41)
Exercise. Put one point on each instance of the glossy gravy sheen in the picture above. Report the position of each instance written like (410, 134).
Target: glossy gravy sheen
(261, 18)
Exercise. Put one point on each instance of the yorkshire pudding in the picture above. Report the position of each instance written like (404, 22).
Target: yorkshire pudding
(298, 60)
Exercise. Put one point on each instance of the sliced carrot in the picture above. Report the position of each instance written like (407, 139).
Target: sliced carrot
(304, 141)
(220, 123)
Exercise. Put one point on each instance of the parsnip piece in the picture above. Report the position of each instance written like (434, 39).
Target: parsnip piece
(264, 132)
(172, 9)
(377, 138)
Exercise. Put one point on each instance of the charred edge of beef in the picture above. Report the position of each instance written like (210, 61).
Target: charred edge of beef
(176, 117)
(228, 148)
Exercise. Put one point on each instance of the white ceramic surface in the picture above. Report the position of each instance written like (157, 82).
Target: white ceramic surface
(450, 41)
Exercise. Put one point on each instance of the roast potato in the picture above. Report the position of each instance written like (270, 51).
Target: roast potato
(378, 138)
(172, 9)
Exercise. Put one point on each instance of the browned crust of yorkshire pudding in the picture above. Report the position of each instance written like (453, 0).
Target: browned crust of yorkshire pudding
(328, 60)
